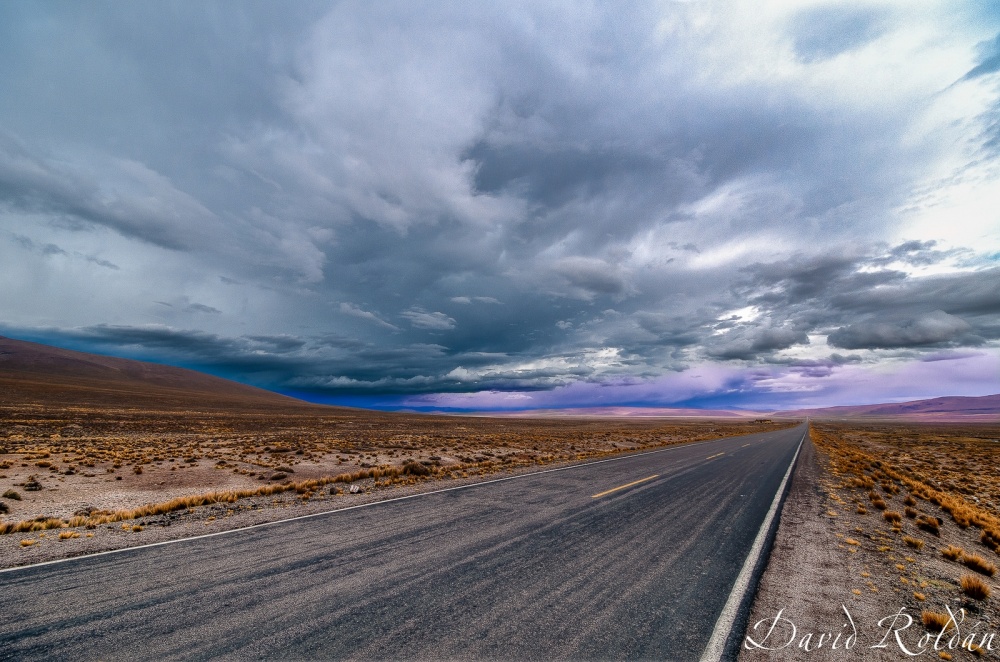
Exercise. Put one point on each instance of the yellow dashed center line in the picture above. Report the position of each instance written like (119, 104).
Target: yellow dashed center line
(714, 456)
(622, 487)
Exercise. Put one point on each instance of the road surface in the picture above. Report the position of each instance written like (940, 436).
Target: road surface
(629, 558)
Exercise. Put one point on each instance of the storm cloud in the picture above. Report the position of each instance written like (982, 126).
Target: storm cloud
(607, 203)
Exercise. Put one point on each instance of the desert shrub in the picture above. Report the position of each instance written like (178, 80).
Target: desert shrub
(929, 524)
(952, 553)
(936, 621)
(974, 587)
(979, 564)
(991, 538)
(416, 469)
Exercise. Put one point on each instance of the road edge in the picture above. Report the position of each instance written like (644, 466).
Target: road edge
(724, 644)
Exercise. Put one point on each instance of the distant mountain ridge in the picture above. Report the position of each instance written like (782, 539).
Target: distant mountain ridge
(948, 408)
(33, 373)
(630, 412)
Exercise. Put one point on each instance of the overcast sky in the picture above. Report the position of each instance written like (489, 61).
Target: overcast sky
(489, 205)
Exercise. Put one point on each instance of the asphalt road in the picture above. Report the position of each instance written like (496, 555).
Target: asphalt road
(534, 567)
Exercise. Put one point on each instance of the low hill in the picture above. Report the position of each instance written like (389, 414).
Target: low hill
(32, 373)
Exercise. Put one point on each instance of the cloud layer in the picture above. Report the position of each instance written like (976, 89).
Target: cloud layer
(593, 202)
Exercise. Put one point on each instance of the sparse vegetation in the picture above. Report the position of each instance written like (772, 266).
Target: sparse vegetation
(12, 494)
(929, 480)
(234, 455)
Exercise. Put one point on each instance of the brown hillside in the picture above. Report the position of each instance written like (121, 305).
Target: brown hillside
(32, 373)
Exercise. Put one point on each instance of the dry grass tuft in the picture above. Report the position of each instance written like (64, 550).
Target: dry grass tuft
(952, 552)
(974, 587)
(929, 524)
(892, 516)
(979, 564)
(936, 621)
(990, 537)
(915, 543)
(27, 543)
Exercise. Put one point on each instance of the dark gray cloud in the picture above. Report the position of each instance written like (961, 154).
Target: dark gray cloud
(143, 205)
(202, 308)
(346, 197)
(932, 329)
(752, 342)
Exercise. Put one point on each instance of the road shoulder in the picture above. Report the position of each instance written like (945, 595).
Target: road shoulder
(808, 577)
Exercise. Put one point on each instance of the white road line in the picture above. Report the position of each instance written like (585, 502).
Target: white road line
(717, 644)
(360, 505)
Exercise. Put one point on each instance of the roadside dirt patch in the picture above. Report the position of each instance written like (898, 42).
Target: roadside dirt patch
(856, 556)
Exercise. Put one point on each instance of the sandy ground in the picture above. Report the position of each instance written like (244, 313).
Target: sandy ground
(834, 571)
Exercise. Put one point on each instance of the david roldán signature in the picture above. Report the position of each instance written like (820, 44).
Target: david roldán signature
(780, 632)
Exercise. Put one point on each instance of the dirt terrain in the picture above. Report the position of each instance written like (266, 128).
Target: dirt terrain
(883, 522)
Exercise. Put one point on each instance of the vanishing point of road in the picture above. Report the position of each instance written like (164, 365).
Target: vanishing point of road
(629, 558)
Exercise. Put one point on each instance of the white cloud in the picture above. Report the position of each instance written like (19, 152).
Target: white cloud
(355, 311)
(435, 321)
